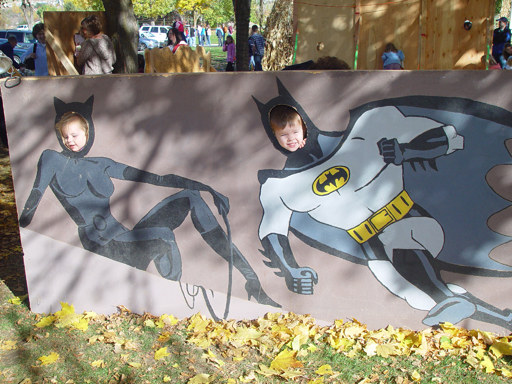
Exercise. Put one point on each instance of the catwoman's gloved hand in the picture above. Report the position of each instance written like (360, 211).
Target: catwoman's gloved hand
(221, 202)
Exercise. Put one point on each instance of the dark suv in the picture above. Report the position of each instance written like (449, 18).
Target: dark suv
(25, 38)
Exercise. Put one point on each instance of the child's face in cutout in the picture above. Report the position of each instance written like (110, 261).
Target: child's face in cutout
(291, 137)
(73, 136)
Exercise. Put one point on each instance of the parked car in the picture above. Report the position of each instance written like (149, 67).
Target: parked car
(25, 38)
(147, 40)
(18, 51)
(159, 32)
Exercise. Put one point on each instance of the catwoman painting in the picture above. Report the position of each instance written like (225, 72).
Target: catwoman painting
(84, 187)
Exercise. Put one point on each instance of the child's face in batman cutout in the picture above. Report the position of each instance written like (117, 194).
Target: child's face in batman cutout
(73, 136)
(291, 137)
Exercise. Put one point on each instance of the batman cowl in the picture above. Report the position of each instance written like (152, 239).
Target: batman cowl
(310, 154)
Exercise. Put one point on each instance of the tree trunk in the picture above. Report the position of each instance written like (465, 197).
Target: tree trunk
(28, 13)
(261, 14)
(122, 27)
(242, 14)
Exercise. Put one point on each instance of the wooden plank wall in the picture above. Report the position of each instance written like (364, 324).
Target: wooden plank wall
(383, 22)
(327, 24)
(430, 32)
(63, 26)
(448, 44)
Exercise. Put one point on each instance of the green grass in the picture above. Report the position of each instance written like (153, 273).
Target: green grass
(123, 341)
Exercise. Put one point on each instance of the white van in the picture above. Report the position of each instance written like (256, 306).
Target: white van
(159, 32)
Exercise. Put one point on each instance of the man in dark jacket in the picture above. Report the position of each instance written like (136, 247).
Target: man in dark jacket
(8, 49)
(500, 37)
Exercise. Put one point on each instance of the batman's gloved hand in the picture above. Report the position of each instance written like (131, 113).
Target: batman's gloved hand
(298, 279)
(301, 280)
(391, 151)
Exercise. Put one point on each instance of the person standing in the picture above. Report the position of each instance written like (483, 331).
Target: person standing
(230, 48)
(500, 37)
(178, 24)
(39, 54)
(97, 55)
(199, 33)
(257, 48)
(192, 36)
(208, 32)
(8, 49)
(220, 35)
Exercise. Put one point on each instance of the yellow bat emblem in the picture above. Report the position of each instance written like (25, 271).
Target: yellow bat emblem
(331, 180)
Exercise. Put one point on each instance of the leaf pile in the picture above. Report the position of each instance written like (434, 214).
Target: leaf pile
(285, 338)
(270, 349)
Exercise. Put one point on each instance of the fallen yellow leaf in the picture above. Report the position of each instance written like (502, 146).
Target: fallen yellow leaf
(164, 336)
(50, 359)
(202, 378)
(291, 374)
(15, 301)
(45, 321)
(505, 372)
(416, 376)
(135, 365)
(167, 379)
(66, 309)
(161, 353)
(285, 360)
(82, 324)
(8, 345)
(266, 371)
(501, 348)
(98, 363)
(487, 365)
(246, 334)
(324, 370)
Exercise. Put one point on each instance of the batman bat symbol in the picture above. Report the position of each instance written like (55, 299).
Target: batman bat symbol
(331, 180)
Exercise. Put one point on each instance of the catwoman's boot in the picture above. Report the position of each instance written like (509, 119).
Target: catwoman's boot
(218, 241)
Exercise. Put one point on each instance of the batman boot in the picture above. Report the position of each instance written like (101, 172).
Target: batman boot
(415, 266)
(218, 241)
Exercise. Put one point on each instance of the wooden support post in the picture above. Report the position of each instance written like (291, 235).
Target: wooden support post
(357, 28)
(59, 52)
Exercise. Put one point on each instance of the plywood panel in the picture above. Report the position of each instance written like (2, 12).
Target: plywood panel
(63, 26)
(448, 44)
(430, 33)
(175, 125)
(328, 24)
(383, 22)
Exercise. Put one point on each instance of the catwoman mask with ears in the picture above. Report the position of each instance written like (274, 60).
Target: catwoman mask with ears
(84, 109)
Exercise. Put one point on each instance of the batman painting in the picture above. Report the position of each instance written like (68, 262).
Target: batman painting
(362, 195)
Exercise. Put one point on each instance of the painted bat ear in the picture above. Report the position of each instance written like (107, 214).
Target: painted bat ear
(88, 105)
(281, 89)
(60, 106)
(260, 105)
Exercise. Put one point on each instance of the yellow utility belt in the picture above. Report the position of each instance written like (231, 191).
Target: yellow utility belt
(395, 210)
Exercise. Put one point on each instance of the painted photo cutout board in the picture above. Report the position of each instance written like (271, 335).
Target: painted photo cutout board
(379, 196)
